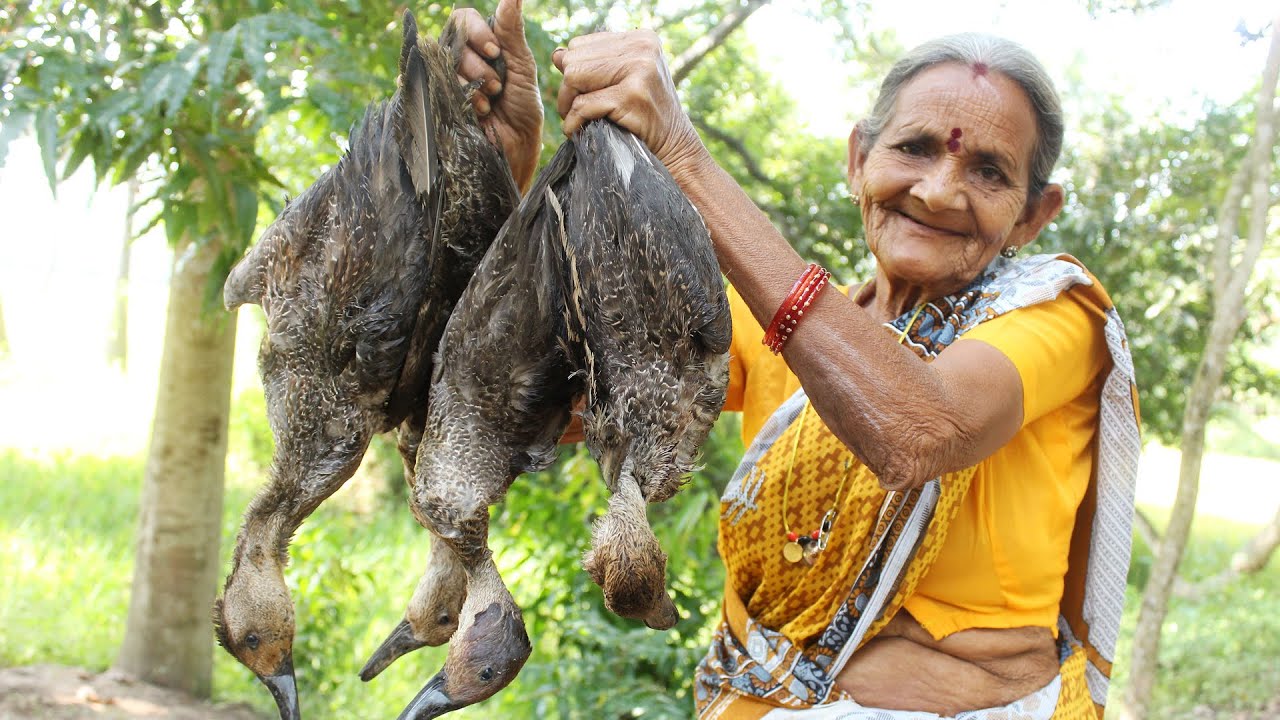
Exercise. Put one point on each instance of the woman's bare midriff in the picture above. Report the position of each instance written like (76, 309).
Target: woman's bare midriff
(904, 668)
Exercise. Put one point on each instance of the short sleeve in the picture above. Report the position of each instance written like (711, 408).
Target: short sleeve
(1058, 348)
(745, 332)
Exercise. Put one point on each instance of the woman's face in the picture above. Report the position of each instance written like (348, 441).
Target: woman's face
(945, 187)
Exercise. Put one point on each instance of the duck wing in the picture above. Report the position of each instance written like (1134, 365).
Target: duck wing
(503, 379)
(656, 318)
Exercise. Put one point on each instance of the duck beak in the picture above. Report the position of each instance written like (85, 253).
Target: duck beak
(399, 642)
(431, 702)
(284, 689)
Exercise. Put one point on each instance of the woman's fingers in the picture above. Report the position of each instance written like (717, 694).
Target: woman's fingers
(609, 102)
(481, 39)
(508, 27)
(472, 67)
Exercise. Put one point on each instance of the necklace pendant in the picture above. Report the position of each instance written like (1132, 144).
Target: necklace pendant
(793, 552)
(811, 553)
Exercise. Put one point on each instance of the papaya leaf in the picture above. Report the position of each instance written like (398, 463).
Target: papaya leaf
(13, 126)
(246, 218)
(141, 148)
(253, 43)
(47, 136)
(87, 142)
(221, 47)
(184, 70)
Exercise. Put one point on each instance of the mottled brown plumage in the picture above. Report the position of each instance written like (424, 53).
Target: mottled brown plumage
(357, 278)
(500, 401)
(605, 273)
(649, 304)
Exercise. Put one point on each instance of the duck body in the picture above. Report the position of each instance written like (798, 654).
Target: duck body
(500, 400)
(649, 304)
(356, 278)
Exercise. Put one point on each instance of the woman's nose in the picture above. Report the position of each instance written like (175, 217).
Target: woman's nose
(941, 186)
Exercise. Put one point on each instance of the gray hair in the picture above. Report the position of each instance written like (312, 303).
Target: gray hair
(1004, 56)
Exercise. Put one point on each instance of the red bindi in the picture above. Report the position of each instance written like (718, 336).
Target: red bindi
(954, 143)
(979, 68)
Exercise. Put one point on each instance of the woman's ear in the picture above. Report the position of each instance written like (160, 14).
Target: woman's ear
(1038, 213)
(856, 158)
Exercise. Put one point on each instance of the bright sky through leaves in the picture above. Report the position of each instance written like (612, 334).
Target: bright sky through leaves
(1168, 58)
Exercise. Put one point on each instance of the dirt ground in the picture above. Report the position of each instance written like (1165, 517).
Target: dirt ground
(55, 692)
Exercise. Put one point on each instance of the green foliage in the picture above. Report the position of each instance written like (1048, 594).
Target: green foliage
(748, 121)
(66, 533)
(249, 430)
(1219, 651)
(65, 523)
(1141, 215)
(179, 94)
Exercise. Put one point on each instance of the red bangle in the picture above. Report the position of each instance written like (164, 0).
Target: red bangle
(802, 294)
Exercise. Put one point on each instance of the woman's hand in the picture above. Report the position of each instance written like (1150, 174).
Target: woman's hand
(624, 77)
(512, 112)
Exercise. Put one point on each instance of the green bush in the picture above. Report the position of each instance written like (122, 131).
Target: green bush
(66, 538)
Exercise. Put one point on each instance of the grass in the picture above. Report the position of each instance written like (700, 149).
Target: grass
(66, 543)
(66, 539)
(1219, 652)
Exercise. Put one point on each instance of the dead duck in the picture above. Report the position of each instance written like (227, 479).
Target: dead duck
(356, 278)
(431, 616)
(648, 300)
(500, 401)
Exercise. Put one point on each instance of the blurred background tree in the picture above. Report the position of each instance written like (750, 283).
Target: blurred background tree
(182, 96)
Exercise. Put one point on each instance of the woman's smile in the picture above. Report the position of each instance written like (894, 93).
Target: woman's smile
(929, 226)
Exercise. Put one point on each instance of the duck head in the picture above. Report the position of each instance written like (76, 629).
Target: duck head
(431, 617)
(254, 622)
(627, 562)
(485, 655)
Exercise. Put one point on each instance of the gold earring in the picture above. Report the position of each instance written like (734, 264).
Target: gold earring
(857, 200)
(1010, 252)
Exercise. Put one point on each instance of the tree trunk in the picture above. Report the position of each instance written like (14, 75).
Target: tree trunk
(168, 640)
(118, 335)
(1229, 284)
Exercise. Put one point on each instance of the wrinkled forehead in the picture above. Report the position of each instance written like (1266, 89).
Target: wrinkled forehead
(951, 94)
(986, 105)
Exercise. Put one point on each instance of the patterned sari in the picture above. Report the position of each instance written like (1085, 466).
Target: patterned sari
(787, 654)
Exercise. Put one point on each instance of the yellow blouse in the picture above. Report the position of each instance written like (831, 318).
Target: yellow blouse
(1005, 557)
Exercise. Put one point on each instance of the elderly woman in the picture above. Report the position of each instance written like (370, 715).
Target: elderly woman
(932, 517)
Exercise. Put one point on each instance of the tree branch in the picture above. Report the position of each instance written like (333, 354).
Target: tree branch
(1248, 560)
(739, 148)
(1260, 155)
(1146, 529)
(1228, 309)
(1228, 223)
(684, 63)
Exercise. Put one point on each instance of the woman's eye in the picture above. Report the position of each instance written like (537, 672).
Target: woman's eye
(990, 173)
(911, 148)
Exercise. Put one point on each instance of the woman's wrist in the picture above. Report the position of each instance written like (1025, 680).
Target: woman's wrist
(686, 159)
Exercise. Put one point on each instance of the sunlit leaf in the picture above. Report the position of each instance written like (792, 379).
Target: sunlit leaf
(47, 137)
(220, 48)
(13, 126)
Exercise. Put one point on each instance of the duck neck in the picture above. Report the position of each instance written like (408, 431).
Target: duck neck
(268, 527)
(485, 586)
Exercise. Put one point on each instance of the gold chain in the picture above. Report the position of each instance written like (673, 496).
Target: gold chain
(806, 548)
